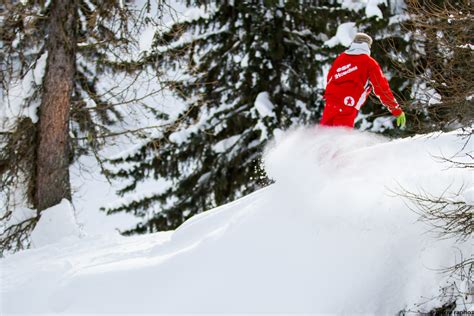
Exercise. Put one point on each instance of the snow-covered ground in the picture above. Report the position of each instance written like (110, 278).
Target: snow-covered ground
(330, 236)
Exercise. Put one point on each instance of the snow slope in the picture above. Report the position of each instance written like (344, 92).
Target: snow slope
(329, 236)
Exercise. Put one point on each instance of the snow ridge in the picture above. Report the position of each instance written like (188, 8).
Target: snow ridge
(330, 236)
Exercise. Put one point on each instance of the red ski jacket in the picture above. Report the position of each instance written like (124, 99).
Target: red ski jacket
(351, 79)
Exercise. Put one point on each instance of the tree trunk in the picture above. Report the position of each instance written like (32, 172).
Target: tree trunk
(52, 165)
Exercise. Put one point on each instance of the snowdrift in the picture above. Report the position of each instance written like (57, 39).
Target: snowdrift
(330, 236)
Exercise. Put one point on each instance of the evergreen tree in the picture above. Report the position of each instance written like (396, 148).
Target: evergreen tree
(252, 69)
(55, 104)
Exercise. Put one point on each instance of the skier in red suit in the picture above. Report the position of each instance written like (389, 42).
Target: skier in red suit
(350, 80)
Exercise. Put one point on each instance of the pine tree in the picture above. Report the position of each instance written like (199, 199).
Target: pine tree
(57, 102)
(252, 69)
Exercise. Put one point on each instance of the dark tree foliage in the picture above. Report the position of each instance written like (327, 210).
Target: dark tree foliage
(236, 54)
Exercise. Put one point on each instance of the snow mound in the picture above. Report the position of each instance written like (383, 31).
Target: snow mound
(344, 35)
(372, 9)
(56, 224)
(263, 104)
(330, 236)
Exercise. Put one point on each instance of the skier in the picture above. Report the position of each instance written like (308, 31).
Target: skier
(350, 80)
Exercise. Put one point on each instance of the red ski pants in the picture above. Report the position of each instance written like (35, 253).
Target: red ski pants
(335, 115)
